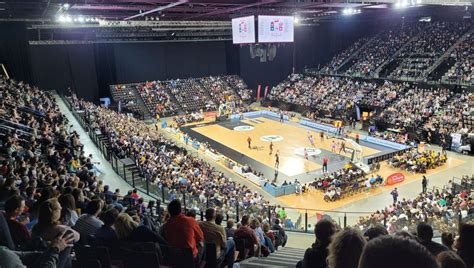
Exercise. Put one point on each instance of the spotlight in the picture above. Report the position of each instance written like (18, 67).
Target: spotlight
(80, 19)
(68, 19)
(297, 20)
(61, 19)
(88, 19)
(66, 6)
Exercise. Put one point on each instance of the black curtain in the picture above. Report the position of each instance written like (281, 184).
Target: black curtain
(137, 62)
(60, 67)
(14, 50)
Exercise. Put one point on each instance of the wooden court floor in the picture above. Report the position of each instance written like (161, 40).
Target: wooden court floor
(315, 199)
(293, 138)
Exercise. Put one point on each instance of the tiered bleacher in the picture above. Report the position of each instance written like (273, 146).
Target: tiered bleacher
(191, 95)
(448, 119)
(340, 58)
(156, 98)
(462, 70)
(381, 48)
(415, 106)
(239, 86)
(418, 56)
(125, 94)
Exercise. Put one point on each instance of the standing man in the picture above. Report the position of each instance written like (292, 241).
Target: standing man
(321, 135)
(249, 141)
(325, 164)
(394, 194)
(282, 119)
(271, 148)
(424, 184)
(357, 138)
(277, 159)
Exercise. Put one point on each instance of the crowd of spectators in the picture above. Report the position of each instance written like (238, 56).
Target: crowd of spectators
(124, 95)
(220, 91)
(382, 47)
(415, 106)
(345, 182)
(165, 165)
(383, 95)
(463, 67)
(51, 191)
(441, 208)
(156, 98)
(418, 162)
(448, 119)
(238, 84)
(375, 248)
(191, 95)
(340, 58)
(183, 119)
(430, 44)
(335, 96)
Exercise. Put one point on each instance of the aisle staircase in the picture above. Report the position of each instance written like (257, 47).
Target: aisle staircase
(283, 258)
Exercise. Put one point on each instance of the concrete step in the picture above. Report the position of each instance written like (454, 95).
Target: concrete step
(285, 257)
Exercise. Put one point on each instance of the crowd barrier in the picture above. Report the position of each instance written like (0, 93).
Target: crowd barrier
(279, 190)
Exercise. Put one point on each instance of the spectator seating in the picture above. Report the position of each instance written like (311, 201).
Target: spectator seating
(418, 56)
(126, 95)
(462, 70)
(156, 98)
(337, 61)
(415, 106)
(381, 48)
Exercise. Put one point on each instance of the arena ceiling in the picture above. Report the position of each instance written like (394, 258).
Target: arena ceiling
(187, 9)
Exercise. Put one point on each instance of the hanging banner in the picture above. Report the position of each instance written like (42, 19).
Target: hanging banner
(258, 92)
(266, 91)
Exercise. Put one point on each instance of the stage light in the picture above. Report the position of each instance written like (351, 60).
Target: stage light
(350, 11)
(66, 6)
(68, 19)
(61, 19)
(297, 20)
(80, 19)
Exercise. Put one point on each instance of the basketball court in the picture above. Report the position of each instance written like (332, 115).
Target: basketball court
(290, 139)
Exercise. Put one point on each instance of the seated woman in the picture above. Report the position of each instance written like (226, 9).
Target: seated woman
(129, 230)
(48, 226)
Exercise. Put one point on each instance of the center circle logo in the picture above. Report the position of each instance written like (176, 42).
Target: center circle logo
(271, 138)
(243, 128)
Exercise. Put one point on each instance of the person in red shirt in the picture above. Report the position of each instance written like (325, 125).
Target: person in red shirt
(325, 164)
(249, 141)
(183, 232)
(246, 233)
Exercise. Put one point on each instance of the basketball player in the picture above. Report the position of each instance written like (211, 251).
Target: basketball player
(311, 140)
(343, 147)
(282, 119)
(249, 141)
(271, 148)
(305, 154)
(333, 146)
(321, 135)
(277, 159)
